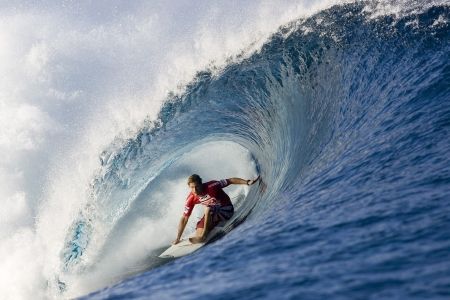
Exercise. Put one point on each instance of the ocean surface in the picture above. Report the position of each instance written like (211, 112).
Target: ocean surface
(344, 112)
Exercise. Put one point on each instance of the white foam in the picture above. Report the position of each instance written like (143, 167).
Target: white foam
(400, 8)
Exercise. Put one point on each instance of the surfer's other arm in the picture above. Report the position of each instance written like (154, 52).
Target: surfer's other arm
(236, 180)
(183, 221)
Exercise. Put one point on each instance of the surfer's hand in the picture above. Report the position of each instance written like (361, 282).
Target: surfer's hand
(252, 181)
(176, 242)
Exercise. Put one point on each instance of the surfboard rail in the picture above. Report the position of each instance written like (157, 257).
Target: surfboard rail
(185, 247)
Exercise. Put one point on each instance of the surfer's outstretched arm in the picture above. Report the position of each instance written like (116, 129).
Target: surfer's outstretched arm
(181, 226)
(236, 180)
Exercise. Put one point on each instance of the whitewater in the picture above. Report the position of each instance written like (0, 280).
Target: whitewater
(341, 107)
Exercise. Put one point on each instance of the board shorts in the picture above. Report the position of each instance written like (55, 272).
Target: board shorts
(218, 214)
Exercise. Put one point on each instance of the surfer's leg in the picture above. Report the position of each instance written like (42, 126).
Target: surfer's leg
(208, 222)
(199, 231)
(202, 227)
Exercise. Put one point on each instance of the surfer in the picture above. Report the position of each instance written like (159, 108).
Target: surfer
(218, 206)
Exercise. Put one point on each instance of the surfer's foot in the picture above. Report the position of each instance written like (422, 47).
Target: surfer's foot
(197, 239)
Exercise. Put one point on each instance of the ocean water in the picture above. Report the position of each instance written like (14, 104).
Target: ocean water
(342, 108)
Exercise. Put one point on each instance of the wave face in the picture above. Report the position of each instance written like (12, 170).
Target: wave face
(346, 117)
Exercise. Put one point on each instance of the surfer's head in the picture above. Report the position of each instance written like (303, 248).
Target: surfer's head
(195, 184)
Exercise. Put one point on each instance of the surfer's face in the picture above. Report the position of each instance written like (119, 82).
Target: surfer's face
(195, 188)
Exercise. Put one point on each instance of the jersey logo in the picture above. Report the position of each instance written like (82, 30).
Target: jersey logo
(207, 200)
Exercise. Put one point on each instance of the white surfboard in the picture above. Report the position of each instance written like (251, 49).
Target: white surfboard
(185, 247)
(181, 249)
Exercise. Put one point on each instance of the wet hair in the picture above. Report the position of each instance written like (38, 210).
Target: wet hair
(194, 178)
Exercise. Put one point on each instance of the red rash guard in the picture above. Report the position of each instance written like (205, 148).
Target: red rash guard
(212, 195)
